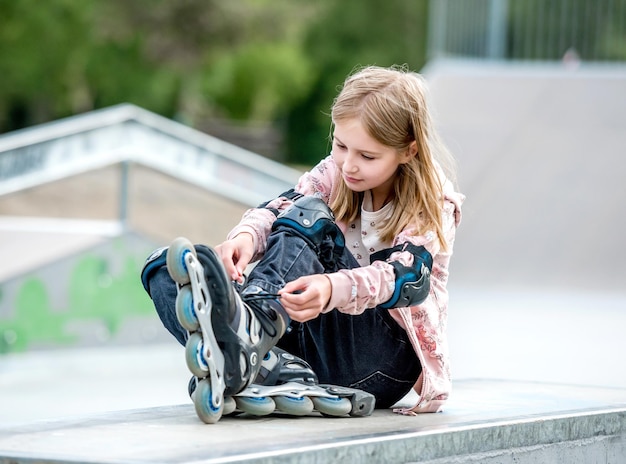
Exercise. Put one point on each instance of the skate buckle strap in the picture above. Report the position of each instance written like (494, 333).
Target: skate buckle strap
(211, 354)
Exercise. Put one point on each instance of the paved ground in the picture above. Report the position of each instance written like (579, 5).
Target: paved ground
(575, 338)
(487, 421)
(51, 384)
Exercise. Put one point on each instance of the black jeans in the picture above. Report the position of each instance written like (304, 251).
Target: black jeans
(369, 351)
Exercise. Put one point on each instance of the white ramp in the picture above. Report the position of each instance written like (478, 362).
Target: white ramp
(542, 160)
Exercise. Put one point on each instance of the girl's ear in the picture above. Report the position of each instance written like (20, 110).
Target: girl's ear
(410, 153)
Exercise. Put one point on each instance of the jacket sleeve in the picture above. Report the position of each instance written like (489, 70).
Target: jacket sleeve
(426, 324)
(258, 221)
(355, 290)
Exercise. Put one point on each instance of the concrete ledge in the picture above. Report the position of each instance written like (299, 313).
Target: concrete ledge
(490, 421)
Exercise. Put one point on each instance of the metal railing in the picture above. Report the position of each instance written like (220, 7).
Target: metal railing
(547, 30)
(127, 133)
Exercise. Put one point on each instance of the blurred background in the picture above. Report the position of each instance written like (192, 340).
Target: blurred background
(125, 123)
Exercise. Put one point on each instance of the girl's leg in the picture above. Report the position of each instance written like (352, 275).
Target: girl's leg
(369, 351)
(162, 290)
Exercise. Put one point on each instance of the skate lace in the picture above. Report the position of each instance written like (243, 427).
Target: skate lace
(265, 317)
(261, 296)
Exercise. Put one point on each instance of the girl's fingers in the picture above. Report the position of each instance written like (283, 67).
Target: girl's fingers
(293, 287)
(228, 262)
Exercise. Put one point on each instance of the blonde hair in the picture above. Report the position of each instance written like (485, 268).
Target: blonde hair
(391, 105)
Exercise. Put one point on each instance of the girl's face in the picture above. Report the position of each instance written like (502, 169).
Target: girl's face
(365, 163)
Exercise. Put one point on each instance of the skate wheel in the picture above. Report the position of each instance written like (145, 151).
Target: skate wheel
(208, 412)
(294, 406)
(184, 309)
(230, 406)
(257, 406)
(193, 355)
(332, 406)
(175, 259)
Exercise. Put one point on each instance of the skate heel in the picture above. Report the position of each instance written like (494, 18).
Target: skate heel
(361, 403)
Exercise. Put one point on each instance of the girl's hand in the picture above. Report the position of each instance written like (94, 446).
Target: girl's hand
(306, 297)
(236, 254)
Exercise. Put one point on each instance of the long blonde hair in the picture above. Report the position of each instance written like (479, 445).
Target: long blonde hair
(391, 105)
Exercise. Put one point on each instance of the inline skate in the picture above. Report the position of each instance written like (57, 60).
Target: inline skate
(230, 349)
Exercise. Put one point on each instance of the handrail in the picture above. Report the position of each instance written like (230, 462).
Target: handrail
(529, 30)
(55, 150)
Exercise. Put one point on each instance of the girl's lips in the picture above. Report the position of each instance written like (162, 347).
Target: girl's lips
(350, 180)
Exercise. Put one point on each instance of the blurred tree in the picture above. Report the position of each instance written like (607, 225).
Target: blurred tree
(345, 35)
(44, 46)
(275, 61)
(183, 37)
(258, 81)
(181, 58)
(56, 62)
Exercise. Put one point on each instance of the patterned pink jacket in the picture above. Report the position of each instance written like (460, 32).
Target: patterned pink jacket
(355, 290)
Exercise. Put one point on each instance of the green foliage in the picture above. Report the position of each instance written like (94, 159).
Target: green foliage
(258, 81)
(62, 57)
(613, 39)
(43, 47)
(117, 73)
(275, 61)
(346, 35)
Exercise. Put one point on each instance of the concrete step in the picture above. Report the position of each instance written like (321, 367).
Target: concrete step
(487, 421)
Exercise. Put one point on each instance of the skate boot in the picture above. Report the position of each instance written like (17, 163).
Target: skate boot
(287, 384)
(228, 338)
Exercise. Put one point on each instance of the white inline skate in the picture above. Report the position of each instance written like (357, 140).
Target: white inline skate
(230, 347)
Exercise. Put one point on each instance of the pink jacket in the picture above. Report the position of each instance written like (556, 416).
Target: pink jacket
(355, 290)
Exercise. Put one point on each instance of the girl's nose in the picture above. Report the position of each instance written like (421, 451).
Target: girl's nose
(349, 164)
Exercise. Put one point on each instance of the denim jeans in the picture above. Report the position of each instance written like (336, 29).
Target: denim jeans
(369, 351)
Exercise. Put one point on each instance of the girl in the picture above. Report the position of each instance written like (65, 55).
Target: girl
(352, 264)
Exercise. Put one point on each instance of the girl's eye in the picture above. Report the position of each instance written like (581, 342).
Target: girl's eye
(367, 157)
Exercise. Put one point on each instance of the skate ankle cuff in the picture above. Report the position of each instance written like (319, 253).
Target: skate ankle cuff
(156, 260)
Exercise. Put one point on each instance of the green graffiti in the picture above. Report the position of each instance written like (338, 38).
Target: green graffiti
(34, 320)
(95, 294)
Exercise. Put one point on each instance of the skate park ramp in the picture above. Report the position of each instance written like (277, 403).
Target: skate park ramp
(510, 319)
(70, 273)
(83, 202)
(537, 280)
(540, 150)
